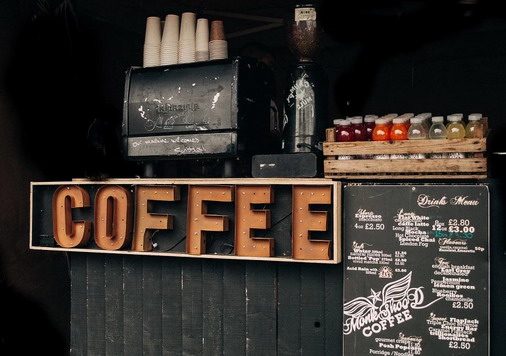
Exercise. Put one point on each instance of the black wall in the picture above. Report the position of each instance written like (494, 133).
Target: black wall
(59, 73)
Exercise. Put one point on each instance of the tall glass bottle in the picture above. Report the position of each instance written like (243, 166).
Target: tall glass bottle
(305, 106)
(305, 110)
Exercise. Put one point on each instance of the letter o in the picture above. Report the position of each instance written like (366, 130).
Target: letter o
(113, 217)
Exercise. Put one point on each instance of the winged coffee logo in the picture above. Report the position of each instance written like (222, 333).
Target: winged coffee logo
(385, 309)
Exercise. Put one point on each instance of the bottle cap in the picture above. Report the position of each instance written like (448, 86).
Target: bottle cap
(380, 121)
(337, 121)
(475, 117)
(398, 120)
(454, 117)
(357, 120)
(407, 115)
(437, 119)
(345, 122)
(370, 118)
(415, 120)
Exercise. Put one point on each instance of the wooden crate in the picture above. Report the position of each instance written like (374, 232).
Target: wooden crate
(474, 167)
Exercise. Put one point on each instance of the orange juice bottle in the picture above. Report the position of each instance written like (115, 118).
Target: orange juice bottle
(381, 130)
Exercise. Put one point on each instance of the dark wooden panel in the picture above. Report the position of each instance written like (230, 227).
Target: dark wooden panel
(96, 304)
(132, 313)
(114, 305)
(261, 308)
(79, 312)
(289, 309)
(171, 306)
(333, 309)
(312, 305)
(192, 306)
(212, 283)
(168, 306)
(151, 306)
(234, 308)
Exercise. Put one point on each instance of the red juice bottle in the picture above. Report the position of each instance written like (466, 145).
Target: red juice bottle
(345, 133)
(359, 128)
(369, 123)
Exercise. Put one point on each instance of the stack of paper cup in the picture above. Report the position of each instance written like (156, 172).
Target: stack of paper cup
(218, 47)
(187, 38)
(152, 40)
(202, 40)
(170, 39)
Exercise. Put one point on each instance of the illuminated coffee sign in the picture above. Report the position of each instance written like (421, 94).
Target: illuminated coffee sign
(288, 220)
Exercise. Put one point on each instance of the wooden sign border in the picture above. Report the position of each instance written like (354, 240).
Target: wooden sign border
(336, 216)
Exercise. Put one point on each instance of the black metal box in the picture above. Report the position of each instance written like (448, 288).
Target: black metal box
(208, 109)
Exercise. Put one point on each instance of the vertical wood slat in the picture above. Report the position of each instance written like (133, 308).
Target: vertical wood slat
(312, 304)
(234, 308)
(79, 312)
(151, 306)
(114, 305)
(132, 312)
(289, 299)
(171, 307)
(192, 306)
(261, 308)
(206, 307)
(333, 309)
(212, 317)
(96, 304)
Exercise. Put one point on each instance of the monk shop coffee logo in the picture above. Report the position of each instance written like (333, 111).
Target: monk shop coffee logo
(426, 201)
(382, 310)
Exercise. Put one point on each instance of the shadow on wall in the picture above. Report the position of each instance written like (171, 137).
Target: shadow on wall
(24, 327)
(53, 82)
(385, 29)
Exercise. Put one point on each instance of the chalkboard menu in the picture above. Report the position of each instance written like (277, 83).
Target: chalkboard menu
(416, 270)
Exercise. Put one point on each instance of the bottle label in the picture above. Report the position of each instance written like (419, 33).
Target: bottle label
(305, 14)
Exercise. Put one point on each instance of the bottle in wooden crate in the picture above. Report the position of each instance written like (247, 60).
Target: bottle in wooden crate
(474, 127)
(369, 123)
(381, 132)
(455, 129)
(357, 123)
(437, 131)
(416, 131)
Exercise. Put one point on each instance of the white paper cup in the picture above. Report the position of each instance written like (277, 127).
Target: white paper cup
(201, 56)
(151, 55)
(171, 28)
(202, 26)
(218, 49)
(188, 26)
(153, 34)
